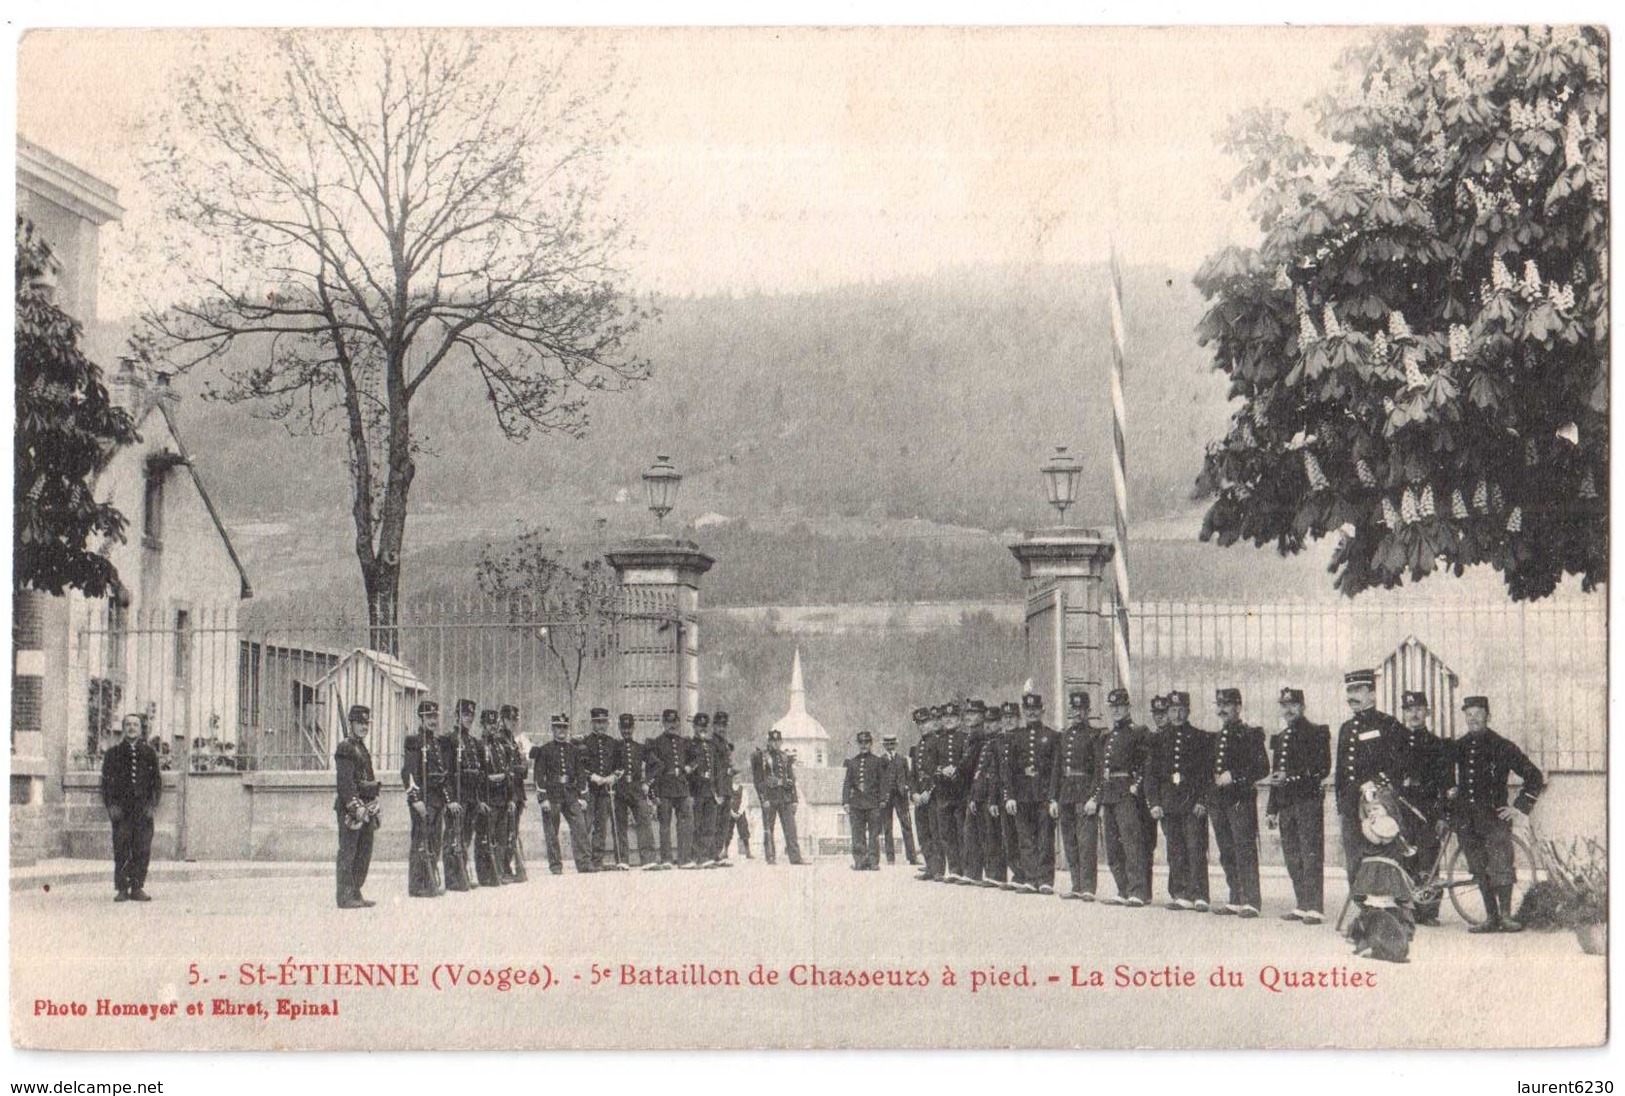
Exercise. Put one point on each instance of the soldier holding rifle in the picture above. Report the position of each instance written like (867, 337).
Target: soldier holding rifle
(423, 775)
(459, 752)
(513, 863)
(491, 816)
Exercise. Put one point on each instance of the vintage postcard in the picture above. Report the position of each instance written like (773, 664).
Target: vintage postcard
(970, 537)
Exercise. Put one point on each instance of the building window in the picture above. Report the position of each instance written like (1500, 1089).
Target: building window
(152, 510)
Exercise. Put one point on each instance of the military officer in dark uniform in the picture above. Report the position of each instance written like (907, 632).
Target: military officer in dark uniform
(131, 788)
(1072, 780)
(1240, 760)
(1148, 825)
(513, 864)
(1483, 761)
(460, 754)
(632, 797)
(863, 795)
(492, 821)
(1009, 824)
(423, 775)
(976, 738)
(1426, 764)
(723, 778)
(1180, 777)
(1301, 755)
(949, 786)
(561, 783)
(1026, 791)
(899, 778)
(668, 776)
(600, 757)
(1121, 760)
(701, 764)
(357, 808)
(984, 814)
(921, 780)
(774, 774)
(1369, 745)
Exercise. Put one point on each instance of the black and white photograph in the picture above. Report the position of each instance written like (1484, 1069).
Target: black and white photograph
(810, 538)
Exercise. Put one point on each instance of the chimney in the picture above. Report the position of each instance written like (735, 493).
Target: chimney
(163, 392)
(128, 388)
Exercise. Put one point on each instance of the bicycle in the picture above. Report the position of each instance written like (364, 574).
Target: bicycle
(1450, 876)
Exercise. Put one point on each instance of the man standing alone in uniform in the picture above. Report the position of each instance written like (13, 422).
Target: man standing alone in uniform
(1483, 762)
(131, 788)
(773, 772)
(561, 783)
(1240, 760)
(423, 775)
(1302, 754)
(1181, 776)
(899, 778)
(863, 796)
(357, 807)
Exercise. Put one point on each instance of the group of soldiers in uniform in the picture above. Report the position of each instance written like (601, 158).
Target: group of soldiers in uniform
(989, 785)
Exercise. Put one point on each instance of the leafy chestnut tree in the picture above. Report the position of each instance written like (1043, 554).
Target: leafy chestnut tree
(1419, 343)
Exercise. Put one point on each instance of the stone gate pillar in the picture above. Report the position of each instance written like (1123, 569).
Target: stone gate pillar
(660, 641)
(1068, 634)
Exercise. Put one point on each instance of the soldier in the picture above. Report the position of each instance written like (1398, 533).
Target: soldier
(984, 816)
(423, 775)
(1026, 792)
(561, 791)
(518, 750)
(131, 789)
(667, 758)
(863, 795)
(357, 808)
(1121, 760)
(774, 774)
(920, 778)
(632, 797)
(974, 721)
(1425, 761)
(1148, 825)
(460, 754)
(722, 750)
(899, 779)
(737, 808)
(1302, 753)
(1483, 760)
(701, 765)
(1181, 775)
(1240, 760)
(1009, 828)
(492, 821)
(949, 786)
(600, 757)
(1368, 749)
(1072, 779)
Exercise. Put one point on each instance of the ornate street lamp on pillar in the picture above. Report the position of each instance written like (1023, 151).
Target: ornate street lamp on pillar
(661, 482)
(1061, 480)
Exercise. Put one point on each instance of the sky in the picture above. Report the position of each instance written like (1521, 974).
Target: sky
(794, 159)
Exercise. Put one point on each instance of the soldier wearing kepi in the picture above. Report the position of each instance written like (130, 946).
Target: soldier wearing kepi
(1425, 762)
(722, 750)
(977, 737)
(863, 795)
(774, 774)
(460, 754)
(357, 807)
(493, 816)
(702, 766)
(600, 757)
(899, 778)
(513, 866)
(949, 787)
(1148, 824)
(1302, 759)
(423, 775)
(1072, 780)
(561, 791)
(919, 795)
(1181, 776)
(984, 815)
(131, 787)
(632, 796)
(1483, 761)
(1369, 746)
(1240, 760)
(1026, 783)
(668, 776)
(1121, 760)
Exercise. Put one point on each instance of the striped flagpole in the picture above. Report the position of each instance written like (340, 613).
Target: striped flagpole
(1119, 482)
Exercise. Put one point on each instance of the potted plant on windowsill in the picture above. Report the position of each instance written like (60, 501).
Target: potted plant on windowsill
(1582, 875)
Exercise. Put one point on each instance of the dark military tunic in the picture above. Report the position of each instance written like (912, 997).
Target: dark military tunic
(1027, 779)
(920, 781)
(423, 775)
(1368, 749)
(1239, 750)
(863, 794)
(1302, 753)
(950, 750)
(600, 756)
(773, 772)
(132, 785)
(1121, 758)
(1181, 772)
(632, 806)
(357, 789)
(899, 780)
(1072, 783)
(1483, 763)
(668, 778)
(561, 785)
